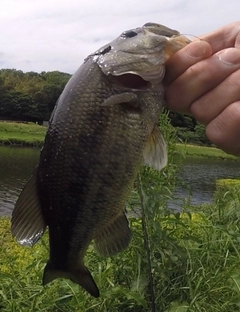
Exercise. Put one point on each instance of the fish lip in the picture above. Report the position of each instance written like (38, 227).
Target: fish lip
(143, 55)
(156, 67)
(161, 30)
(149, 80)
(154, 74)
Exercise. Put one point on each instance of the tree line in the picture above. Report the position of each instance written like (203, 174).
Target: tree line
(29, 96)
(32, 96)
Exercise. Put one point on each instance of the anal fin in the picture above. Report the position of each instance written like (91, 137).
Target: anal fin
(155, 152)
(114, 238)
(28, 224)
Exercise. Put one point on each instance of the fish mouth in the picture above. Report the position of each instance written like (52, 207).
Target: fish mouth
(130, 81)
(138, 80)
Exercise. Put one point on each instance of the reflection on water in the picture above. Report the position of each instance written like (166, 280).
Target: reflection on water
(198, 176)
(16, 166)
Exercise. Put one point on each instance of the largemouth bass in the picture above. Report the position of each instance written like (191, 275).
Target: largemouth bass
(104, 126)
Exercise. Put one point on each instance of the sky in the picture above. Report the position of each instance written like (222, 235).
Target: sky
(47, 35)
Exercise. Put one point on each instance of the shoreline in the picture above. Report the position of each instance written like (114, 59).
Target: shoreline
(32, 135)
(22, 134)
(198, 151)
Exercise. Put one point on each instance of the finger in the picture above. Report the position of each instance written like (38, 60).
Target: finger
(225, 37)
(186, 57)
(201, 78)
(213, 103)
(224, 130)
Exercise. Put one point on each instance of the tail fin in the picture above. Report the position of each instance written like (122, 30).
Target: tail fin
(81, 276)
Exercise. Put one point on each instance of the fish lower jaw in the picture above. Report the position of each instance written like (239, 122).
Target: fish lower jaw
(155, 74)
(138, 81)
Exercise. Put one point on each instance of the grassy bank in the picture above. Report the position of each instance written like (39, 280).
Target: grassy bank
(33, 135)
(204, 151)
(22, 134)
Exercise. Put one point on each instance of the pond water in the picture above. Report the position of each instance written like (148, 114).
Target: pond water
(198, 175)
(16, 166)
(198, 178)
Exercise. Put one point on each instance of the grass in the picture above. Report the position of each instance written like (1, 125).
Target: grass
(33, 135)
(204, 151)
(195, 261)
(186, 261)
(22, 134)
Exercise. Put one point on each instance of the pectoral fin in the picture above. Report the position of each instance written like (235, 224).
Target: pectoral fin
(126, 97)
(28, 224)
(155, 152)
(114, 238)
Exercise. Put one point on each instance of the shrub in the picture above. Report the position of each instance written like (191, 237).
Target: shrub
(195, 136)
(227, 199)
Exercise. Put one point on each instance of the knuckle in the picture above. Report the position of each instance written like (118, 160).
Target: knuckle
(198, 111)
(224, 130)
(234, 81)
(233, 111)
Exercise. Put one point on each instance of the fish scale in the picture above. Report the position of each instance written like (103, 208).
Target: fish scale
(103, 128)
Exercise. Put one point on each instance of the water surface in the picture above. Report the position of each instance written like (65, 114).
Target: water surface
(16, 167)
(198, 176)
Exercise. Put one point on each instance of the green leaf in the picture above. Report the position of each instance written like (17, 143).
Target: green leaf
(236, 282)
(178, 307)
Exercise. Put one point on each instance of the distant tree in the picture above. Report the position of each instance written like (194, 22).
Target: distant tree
(30, 96)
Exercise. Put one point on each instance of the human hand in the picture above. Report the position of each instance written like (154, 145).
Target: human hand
(203, 79)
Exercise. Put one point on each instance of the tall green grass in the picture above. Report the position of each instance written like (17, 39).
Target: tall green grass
(177, 261)
(195, 259)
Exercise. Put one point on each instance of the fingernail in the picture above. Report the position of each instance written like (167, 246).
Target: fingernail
(229, 56)
(196, 49)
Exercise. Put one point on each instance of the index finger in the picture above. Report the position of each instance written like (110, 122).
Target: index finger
(225, 37)
(185, 58)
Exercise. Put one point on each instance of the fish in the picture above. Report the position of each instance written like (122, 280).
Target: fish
(103, 128)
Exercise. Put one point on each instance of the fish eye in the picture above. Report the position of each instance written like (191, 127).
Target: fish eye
(128, 34)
